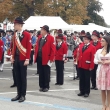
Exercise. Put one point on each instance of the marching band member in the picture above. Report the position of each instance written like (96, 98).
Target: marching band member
(85, 64)
(101, 36)
(64, 36)
(96, 43)
(4, 48)
(60, 57)
(64, 39)
(44, 56)
(75, 57)
(75, 51)
(82, 34)
(20, 57)
(1, 53)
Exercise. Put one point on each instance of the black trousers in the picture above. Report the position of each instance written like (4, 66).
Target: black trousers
(44, 74)
(31, 57)
(14, 74)
(2, 61)
(93, 76)
(77, 70)
(37, 69)
(84, 82)
(21, 76)
(59, 70)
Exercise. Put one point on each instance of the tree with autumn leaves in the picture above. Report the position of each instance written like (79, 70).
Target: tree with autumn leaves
(72, 11)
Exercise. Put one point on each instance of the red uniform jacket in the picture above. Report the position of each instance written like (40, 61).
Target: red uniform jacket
(98, 46)
(64, 38)
(48, 50)
(1, 49)
(75, 53)
(86, 58)
(26, 42)
(61, 51)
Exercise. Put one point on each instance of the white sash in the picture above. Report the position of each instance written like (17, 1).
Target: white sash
(19, 45)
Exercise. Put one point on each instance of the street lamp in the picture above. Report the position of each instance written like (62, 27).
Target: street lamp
(5, 22)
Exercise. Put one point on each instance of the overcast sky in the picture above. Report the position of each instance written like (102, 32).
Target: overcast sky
(106, 10)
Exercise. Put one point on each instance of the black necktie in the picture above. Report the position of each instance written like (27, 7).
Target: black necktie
(19, 35)
(43, 37)
(95, 43)
(58, 46)
(84, 48)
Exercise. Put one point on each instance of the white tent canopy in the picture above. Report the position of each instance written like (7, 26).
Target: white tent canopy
(10, 26)
(89, 27)
(35, 22)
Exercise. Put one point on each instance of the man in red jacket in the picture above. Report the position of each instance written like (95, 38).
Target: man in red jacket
(60, 58)
(95, 42)
(85, 64)
(44, 56)
(20, 57)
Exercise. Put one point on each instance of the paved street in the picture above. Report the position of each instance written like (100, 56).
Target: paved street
(58, 98)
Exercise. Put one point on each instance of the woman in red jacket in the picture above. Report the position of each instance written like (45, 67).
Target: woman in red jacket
(60, 58)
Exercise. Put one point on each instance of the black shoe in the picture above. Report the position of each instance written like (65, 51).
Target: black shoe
(77, 78)
(45, 90)
(86, 95)
(80, 94)
(16, 98)
(22, 99)
(95, 88)
(60, 84)
(13, 86)
(92, 87)
(30, 64)
(56, 84)
(1, 70)
(37, 73)
(41, 89)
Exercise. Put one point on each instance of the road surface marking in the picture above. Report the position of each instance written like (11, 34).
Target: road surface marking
(5, 79)
(45, 105)
(38, 91)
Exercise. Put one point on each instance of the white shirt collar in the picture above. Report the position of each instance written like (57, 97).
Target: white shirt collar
(59, 43)
(95, 41)
(20, 33)
(45, 36)
(87, 44)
